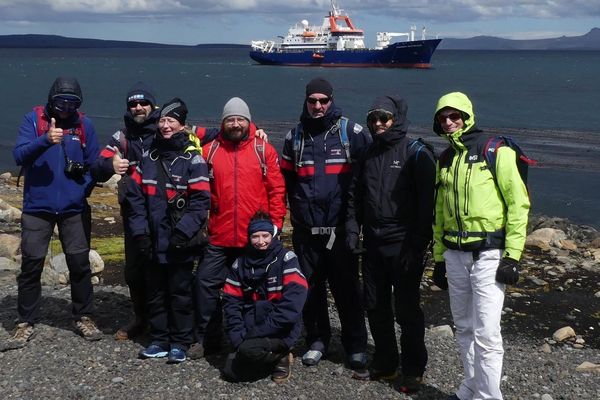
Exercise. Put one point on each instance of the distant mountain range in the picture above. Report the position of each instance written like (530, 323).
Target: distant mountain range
(589, 41)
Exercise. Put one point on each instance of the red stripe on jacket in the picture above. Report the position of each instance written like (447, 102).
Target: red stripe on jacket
(294, 277)
(337, 169)
(232, 290)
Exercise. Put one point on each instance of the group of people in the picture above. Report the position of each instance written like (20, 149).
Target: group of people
(203, 209)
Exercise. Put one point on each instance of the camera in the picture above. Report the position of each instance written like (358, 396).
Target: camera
(178, 202)
(74, 169)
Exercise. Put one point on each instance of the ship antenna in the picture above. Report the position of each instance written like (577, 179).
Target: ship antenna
(334, 8)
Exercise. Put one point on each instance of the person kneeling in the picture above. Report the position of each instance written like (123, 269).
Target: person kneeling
(262, 303)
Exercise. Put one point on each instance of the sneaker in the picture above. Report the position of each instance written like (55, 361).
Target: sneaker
(410, 384)
(176, 356)
(357, 361)
(282, 370)
(153, 351)
(196, 351)
(88, 329)
(311, 358)
(383, 375)
(24, 332)
(133, 329)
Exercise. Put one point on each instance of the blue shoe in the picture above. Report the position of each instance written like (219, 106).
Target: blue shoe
(153, 351)
(311, 358)
(176, 356)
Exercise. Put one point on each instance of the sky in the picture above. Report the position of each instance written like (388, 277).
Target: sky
(240, 21)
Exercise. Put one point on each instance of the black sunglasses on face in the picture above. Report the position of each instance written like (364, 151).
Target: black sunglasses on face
(134, 103)
(322, 101)
(379, 116)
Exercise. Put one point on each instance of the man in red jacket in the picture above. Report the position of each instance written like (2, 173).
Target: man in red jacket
(244, 177)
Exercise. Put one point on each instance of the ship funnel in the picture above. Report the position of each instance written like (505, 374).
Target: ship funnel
(304, 23)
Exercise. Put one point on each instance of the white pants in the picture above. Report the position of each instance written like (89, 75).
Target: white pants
(476, 301)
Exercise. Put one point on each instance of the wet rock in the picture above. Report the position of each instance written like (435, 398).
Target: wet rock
(563, 333)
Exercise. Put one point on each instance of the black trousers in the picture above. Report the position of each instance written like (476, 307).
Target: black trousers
(209, 280)
(35, 237)
(169, 294)
(254, 359)
(135, 273)
(380, 275)
(339, 268)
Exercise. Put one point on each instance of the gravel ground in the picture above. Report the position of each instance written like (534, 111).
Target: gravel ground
(57, 363)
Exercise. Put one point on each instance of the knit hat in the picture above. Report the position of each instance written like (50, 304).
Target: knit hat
(175, 108)
(261, 225)
(236, 106)
(141, 91)
(319, 85)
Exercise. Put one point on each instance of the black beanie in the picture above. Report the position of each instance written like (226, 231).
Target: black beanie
(175, 108)
(141, 91)
(319, 85)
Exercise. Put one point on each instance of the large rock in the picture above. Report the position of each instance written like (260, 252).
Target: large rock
(545, 237)
(563, 333)
(587, 366)
(7, 264)
(7, 176)
(9, 213)
(112, 183)
(10, 246)
(442, 331)
(56, 272)
(96, 262)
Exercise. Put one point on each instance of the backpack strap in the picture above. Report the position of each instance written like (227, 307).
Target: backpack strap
(42, 124)
(298, 141)
(259, 149)
(214, 145)
(124, 143)
(298, 146)
(344, 138)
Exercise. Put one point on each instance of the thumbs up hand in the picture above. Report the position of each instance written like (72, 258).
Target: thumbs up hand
(55, 134)
(120, 165)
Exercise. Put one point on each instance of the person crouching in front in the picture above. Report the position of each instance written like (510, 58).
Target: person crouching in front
(169, 197)
(263, 299)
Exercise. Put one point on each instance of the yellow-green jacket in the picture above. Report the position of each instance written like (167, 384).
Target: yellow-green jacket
(473, 211)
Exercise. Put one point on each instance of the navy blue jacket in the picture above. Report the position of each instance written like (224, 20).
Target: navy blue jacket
(150, 213)
(48, 189)
(317, 191)
(264, 299)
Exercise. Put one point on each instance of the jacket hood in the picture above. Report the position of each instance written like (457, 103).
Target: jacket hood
(63, 85)
(459, 101)
(395, 105)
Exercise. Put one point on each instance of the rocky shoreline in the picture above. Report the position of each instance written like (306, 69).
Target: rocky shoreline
(551, 327)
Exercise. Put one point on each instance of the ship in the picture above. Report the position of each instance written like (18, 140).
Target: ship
(338, 43)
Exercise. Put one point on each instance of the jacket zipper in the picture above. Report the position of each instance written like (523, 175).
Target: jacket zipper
(235, 206)
(467, 185)
(456, 199)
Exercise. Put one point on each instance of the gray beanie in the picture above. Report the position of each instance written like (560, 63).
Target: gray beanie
(236, 106)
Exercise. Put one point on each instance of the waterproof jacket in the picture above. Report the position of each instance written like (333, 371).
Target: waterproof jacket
(317, 190)
(150, 189)
(392, 194)
(265, 299)
(473, 211)
(239, 189)
(48, 189)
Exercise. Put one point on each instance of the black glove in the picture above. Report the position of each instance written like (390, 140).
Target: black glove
(508, 271)
(144, 245)
(178, 240)
(352, 242)
(439, 275)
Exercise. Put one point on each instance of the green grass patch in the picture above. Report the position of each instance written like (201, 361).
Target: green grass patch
(111, 249)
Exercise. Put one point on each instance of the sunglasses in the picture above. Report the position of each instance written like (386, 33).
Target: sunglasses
(135, 103)
(66, 104)
(322, 101)
(454, 116)
(381, 116)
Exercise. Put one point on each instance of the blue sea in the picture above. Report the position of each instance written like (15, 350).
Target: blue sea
(549, 101)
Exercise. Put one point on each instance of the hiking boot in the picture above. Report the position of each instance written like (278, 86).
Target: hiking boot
(88, 329)
(24, 332)
(196, 351)
(383, 375)
(357, 361)
(153, 351)
(282, 370)
(176, 356)
(410, 384)
(133, 329)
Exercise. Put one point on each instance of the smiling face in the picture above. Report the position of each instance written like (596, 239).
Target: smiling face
(235, 128)
(261, 240)
(380, 121)
(140, 110)
(450, 120)
(169, 126)
(317, 104)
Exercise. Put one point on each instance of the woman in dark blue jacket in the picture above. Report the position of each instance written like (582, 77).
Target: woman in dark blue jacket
(263, 299)
(169, 198)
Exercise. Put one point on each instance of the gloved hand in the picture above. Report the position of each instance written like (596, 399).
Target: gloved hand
(352, 242)
(508, 271)
(439, 275)
(144, 245)
(178, 240)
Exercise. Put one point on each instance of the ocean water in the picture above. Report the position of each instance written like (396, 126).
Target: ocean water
(552, 94)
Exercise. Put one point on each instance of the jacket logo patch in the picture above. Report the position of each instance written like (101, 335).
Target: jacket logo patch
(272, 279)
(396, 164)
(176, 178)
(336, 152)
(474, 157)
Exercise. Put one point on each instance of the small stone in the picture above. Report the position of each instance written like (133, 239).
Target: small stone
(118, 379)
(546, 396)
(577, 346)
(563, 333)
(516, 294)
(546, 348)
(442, 331)
(587, 366)
(537, 281)
(597, 294)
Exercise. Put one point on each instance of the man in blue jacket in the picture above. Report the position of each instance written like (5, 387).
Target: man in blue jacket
(55, 147)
